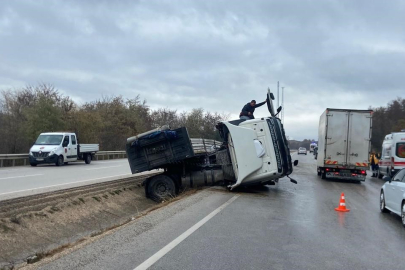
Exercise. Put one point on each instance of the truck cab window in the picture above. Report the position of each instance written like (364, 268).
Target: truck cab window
(66, 141)
(73, 137)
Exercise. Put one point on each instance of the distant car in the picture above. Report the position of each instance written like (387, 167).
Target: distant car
(392, 196)
(302, 150)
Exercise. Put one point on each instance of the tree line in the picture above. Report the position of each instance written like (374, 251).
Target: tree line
(109, 121)
(387, 119)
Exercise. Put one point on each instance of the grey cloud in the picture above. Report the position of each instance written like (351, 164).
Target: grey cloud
(212, 54)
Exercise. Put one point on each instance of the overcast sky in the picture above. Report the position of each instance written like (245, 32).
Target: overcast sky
(217, 55)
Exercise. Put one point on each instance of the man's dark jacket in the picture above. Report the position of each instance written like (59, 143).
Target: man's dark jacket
(249, 108)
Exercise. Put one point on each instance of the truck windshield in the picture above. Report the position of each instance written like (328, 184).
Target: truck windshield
(401, 150)
(49, 140)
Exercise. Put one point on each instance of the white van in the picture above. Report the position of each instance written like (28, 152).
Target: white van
(393, 154)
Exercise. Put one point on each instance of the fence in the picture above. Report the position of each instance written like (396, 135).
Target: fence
(199, 146)
(7, 160)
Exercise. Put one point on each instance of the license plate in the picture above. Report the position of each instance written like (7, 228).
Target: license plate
(40, 159)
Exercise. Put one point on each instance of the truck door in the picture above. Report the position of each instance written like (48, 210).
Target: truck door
(73, 147)
(336, 138)
(359, 139)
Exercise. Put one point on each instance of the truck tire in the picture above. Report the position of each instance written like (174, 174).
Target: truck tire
(33, 164)
(87, 159)
(59, 161)
(323, 175)
(161, 187)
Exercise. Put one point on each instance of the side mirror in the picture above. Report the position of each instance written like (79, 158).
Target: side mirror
(279, 109)
(271, 96)
(387, 179)
(296, 162)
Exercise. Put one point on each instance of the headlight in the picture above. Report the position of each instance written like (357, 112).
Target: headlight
(31, 153)
(52, 152)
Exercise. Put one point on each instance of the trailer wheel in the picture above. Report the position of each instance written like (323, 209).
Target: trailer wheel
(161, 187)
(59, 162)
(87, 159)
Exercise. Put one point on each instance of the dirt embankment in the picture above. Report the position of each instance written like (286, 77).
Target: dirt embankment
(32, 227)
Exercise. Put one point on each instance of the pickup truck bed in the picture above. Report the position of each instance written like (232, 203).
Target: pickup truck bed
(88, 148)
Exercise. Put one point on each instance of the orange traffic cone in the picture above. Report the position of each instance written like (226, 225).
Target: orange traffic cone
(342, 204)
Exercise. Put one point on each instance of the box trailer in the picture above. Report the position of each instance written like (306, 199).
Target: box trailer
(344, 144)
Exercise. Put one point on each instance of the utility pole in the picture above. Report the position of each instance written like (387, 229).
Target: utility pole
(282, 105)
(278, 94)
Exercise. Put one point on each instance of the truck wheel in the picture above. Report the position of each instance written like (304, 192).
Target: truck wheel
(323, 175)
(87, 159)
(59, 162)
(161, 187)
(33, 164)
(319, 173)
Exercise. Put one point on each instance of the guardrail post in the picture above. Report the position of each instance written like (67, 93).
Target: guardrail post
(25, 161)
(13, 162)
(1, 163)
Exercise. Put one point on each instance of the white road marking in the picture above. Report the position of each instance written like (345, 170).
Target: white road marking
(65, 184)
(158, 255)
(103, 168)
(10, 177)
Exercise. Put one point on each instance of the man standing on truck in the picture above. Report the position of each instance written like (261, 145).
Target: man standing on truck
(249, 109)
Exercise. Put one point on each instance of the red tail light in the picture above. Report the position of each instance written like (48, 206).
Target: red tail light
(327, 169)
(363, 172)
(353, 174)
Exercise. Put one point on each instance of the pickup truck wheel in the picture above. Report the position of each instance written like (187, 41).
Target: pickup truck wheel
(87, 159)
(33, 164)
(60, 162)
(161, 187)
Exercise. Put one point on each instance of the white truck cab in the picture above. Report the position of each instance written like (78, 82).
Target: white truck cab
(60, 148)
(393, 154)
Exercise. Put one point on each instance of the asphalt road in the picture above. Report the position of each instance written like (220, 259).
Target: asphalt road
(22, 181)
(276, 227)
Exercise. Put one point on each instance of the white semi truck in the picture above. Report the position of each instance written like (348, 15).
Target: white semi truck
(253, 152)
(344, 144)
(60, 148)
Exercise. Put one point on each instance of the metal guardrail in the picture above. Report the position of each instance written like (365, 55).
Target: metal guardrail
(199, 146)
(100, 155)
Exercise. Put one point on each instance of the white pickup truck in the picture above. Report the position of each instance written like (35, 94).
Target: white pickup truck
(60, 148)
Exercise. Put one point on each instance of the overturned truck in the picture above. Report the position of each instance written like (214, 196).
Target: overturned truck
(252, 152)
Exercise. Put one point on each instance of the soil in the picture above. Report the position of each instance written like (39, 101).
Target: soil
(33, 227)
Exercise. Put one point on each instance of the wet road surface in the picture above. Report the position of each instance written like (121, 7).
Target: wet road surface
(26, 180)
(285, 226)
